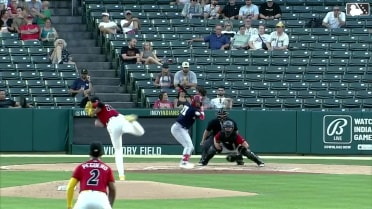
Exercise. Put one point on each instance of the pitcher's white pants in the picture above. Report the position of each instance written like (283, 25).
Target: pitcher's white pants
(182, 136)
(90, 199)
(116, 127)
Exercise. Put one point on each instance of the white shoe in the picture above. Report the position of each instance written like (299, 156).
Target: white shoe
(186, 165)
(261, 165)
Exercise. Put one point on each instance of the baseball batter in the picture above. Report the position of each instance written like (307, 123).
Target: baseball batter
(180, 129)
(94, 177)
(229, 141)
(116, 125)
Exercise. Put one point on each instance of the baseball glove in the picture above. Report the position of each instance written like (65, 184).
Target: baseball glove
(231, 157)
(89, 109)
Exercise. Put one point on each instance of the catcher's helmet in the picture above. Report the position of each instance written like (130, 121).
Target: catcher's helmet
(222, 114)
(228, 127)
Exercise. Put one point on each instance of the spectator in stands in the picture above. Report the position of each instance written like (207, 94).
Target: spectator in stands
(185, 77)
(164, 79)
(270, 10)
(43, 14)
(249, 10)
(83, 87)
(278, 39)
(192, 10)
(107, 26)
(6, 22)
(59, 55)
(240, 40)
(148, 56)
(29, 31)
(212, 10)
(6, 102)
(220, 101)
(217, 41)
(19, 20)
(13, 5)
(228, 26)
(180, 2)
(249, 30)
(130, 25)
(181, 99)
(129, 55)
(163, 102)
(33, 8)
(258, 41)
(203, 93)
(334, 19)
(231, 10)
(48, 33)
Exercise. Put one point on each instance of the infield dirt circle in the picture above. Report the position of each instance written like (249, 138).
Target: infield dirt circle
(130, 189)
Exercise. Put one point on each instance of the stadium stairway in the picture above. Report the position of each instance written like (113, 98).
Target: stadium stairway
(86, 53)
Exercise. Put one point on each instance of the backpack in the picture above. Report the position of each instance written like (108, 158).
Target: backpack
(314, 23)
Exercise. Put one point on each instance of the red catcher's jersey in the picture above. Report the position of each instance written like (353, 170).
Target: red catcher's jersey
(106, 113)
(93, 175)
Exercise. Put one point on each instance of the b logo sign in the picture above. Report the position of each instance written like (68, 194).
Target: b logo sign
(337, 129)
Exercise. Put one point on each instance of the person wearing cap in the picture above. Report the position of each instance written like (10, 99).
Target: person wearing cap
(129, 55)
(107, 26)
(185, 77)
(249, 10)
(148, 55)
(217, 41)
(96, 182)
(165, 78)
(278, 40)
(83, 87)
(193, 9)
(130, 24)
(270, 10)
(335, 18)
(29, 31)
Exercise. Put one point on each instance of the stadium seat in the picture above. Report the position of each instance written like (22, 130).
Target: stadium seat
(272, 102)
(341, 54)
(240, 85)
(43, 101)
(344, 94)
(292, 103)
(20, 59)
(298, 86)
(292, 78)
(340, 31)
(318, 86)
(305, 94)
(357, 86)
(9, 75)
(35, 83)
(286, 94)
(337, 86)
(55, 84)
(59, 92)
(367, 103)
(331, 103)
(311, 103)
(39, 92)
(253, 102)
(30, 75)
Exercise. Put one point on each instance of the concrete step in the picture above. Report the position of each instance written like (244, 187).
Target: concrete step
(123, 105)
(63, 27)
(72, 35)
(107, 88)
(109, 73)
(114, 97)
(94, 65)
(65, 11)
(86, 50)
(88, 57)
(81, 43)
(67, 19)
(106, 81)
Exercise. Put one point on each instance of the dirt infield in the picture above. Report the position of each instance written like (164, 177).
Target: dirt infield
(156, 190)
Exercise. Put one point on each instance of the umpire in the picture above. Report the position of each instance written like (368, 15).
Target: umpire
(214, 126)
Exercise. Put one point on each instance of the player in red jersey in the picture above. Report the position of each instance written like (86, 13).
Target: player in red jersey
(116, 125)
(94, 177)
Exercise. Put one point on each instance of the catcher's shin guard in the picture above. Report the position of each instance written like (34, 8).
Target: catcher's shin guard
(210, 154)
(250, 155)
(239, 159)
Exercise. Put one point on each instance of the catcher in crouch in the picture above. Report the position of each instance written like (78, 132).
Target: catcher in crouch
(229, 141)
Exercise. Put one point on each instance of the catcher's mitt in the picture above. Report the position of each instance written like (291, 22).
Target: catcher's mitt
(89, 109)
(231, 157)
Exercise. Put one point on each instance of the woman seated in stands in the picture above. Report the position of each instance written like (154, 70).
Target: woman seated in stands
(6, 22)
(148, 56)
(48, 33)
(163, 102)
(181, 99)
(59, 55)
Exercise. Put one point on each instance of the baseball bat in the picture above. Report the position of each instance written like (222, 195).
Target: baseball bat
(184, 90)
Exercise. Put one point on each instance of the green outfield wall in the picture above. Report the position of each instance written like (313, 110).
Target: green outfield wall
(267, 132)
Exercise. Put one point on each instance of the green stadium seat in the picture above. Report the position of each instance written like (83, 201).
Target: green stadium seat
(12, 43)
(173, 16)
(220, 53)
(18, 52)
(169, 37)
(9, 75)
(318, 86)
(295, 69)
(40, 59)
(254, 77)
(179, 22)
(298, 46)
(351, 103)
(253, 102)
(337, 86)
(331, 78)
(64, 101)
(221, 60)
(240, 85)
(286, 94)
(49, 75)
(267, 94)
(320, 46)
(18, 91)
(321, 9)
(292, 103)
(279, 85)
(359, 62)
(328, 39)
(59, 92)
(339, 47)
(38, 51)
(29, 75)
(16, 83)
(31, 44)
(344, 94)
(340, 54)
(338, 62)
(248, 93)
(323, 32)
(35, 83)
(340, 31)
(299, 61)
(355, 24)
(4, 36)
(41, 67)
(113, 8)
(169, 8)
(331, 103)
(298, 86)
(292, 77)
(260, 85)
(39, 92)
(305, 94)
(363, 94)
(311, 103)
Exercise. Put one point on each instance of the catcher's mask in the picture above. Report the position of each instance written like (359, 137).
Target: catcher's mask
(196, 101)
(222, 115)
(228, 127)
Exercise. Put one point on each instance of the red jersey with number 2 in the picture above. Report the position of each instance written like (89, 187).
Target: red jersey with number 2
(107, 111)
(93, 175)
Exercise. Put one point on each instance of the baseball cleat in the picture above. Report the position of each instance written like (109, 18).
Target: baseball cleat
(131, 117)
(186, 165)
(261, 165)
(122, 178)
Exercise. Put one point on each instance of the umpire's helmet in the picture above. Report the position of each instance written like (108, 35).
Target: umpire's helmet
(228, 127)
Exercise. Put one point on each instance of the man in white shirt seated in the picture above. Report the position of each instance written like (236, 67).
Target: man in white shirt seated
(334, 19)
(211, 11)
(107, 26)
(221, 101)
(130, 24)
(278, 40)
(258, 41)
(249, 10)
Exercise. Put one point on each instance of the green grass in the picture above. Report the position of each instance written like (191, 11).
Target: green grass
(36, 160)
(302, 191)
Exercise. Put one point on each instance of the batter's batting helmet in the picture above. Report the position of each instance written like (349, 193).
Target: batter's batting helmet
(196, 100)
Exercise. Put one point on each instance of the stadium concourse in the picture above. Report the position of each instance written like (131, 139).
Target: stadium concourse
(324, 69)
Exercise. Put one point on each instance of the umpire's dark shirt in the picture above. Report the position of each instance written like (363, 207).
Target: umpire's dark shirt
(215, 125)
